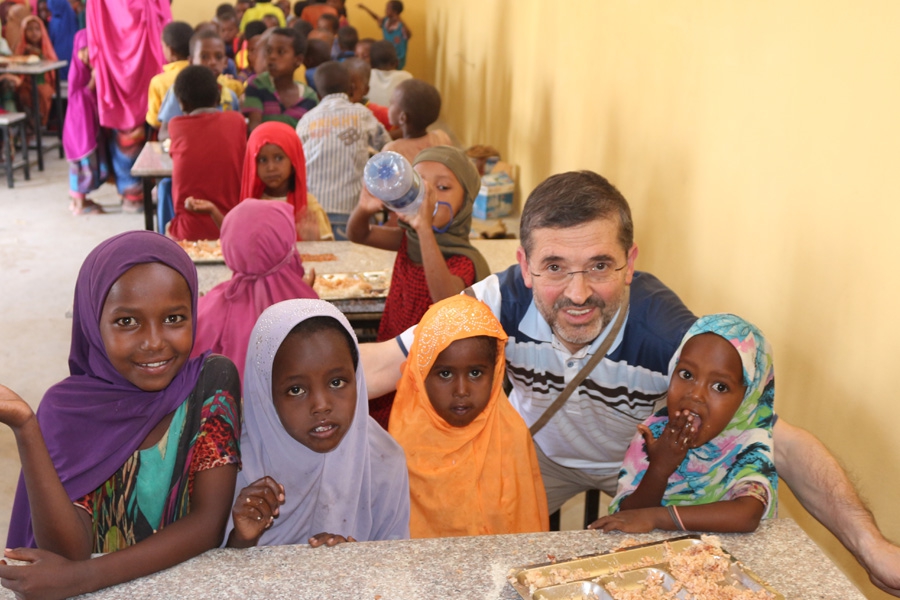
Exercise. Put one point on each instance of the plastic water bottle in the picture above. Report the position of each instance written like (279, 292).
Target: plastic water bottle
(390, 178)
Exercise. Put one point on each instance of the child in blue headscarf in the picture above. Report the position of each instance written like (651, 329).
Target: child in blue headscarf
(704, 462)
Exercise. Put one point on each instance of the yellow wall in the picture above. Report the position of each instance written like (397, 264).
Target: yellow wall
(757, 143)
(195, 11)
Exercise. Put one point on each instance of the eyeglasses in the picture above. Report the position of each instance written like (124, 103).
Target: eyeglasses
(599, 273)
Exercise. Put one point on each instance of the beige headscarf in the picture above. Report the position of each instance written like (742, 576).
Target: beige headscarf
(14, 24)
(456, 239)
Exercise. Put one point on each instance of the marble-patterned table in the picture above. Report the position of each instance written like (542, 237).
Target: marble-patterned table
(454, 568)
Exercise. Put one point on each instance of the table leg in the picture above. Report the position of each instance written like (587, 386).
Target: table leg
(148, 202)
(36, 106)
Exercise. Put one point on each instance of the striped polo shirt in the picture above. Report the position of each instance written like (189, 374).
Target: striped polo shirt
(594, 427)
(336, 137)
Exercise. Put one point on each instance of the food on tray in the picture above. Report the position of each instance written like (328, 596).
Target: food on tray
(203, 250)
(211, 251)
(345, 286)
(685, 568)
(19, 59)
(318, 257)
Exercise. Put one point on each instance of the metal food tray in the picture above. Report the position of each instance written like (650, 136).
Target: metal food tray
(586, 577)
(343, 286)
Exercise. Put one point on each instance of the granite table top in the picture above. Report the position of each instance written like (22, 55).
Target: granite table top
(471, 567)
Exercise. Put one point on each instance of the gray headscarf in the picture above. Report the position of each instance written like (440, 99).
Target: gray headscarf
(359, 489)
(456, 239)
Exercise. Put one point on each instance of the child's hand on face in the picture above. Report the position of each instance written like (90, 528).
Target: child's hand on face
(669, 450)
(14, 411)
(256, 508)
(198, 205)
(640, 520)
(328, 539)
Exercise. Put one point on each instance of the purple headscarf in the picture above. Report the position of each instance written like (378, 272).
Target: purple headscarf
(82, 121)
(359, 489)
(93, 420)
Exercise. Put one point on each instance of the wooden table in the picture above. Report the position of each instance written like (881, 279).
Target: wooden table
(454, 568)
(151, 163)
(33, 69)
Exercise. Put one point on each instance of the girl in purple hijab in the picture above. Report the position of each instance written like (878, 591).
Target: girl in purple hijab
(317, 468)
(82, 139)
(139, 442)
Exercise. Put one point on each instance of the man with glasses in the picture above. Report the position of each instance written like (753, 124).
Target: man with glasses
(574, 282)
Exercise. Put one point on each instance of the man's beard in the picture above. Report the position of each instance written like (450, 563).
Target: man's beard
(578, 335)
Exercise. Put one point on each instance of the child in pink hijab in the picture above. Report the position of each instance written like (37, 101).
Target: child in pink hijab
(259, 246)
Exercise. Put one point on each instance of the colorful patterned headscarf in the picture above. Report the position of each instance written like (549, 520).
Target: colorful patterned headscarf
(493, 456)
(741, 453)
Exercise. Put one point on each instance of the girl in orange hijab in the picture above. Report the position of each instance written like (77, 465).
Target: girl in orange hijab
(460, 432)
(36, 41)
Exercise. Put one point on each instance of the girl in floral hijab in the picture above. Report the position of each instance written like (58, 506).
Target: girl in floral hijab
(704, 462)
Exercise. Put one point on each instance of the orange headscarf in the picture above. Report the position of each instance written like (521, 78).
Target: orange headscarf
(476, 480)
(47, 51)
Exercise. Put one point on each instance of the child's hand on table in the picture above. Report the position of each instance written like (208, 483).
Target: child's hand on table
(639, 520)
(309, 277)
(14, 411)
(45, 574)
(308, 226)
(254, 511)
(328, 539)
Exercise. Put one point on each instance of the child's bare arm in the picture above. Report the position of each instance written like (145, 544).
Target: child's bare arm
(205, 206)
(368, 10)
(59, 526)
(664, 455)
(741, 515)
(406, 30)
(253, 121)
(254, 511)
(362, 231)
(328, 539)
(381, 363)
(49, 575)
(441, 282)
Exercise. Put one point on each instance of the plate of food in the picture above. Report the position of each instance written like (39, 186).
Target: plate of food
(351, 286)
(691, 567)
(210, 252)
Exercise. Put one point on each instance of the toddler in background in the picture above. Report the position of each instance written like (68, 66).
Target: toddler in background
(415, 105)
(393, 28)
(226, 18)
(244, 60)
(318, 52)
(435, 259)
(364, 50)
(259, 246)
(316, 468)
(337, 135)
(176, 39)
(385, 76)
(460, 432)
(139, 443)
(36, 42)
(704, 462)
(347, 37)
(274, 95)
(83, 139)
(208, 147)
(359, 89)
(260, 10)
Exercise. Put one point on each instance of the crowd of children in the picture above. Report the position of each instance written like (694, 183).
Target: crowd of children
(144, 446)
